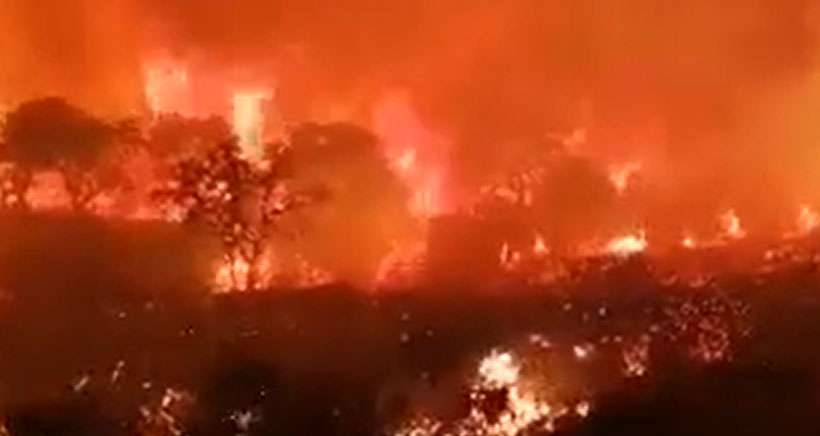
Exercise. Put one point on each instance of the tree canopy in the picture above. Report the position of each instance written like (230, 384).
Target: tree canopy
(49, 132)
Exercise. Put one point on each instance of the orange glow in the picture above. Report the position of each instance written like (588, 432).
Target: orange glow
(540, 246)
(730, 225)
(689, 242)
(415, 152)
(807, 220)
(621, 175)
(232, 276)
(167, 88)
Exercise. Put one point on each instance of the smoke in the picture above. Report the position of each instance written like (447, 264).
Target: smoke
(715, 100)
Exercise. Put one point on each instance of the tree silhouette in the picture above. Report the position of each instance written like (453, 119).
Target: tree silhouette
(366, 205)
(51, 134)
(240, 202)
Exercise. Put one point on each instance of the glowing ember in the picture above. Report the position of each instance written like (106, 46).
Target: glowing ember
(540, 246)
(689, 242)
(166, 415)
(499, 369)
(636, 357)
(583, 351)
(502, 403)
(628, 245)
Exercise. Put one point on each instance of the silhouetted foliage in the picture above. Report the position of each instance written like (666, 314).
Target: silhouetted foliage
(240, 202)
(366, 203)
(51, 134)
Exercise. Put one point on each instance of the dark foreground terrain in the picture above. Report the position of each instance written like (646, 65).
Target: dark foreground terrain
(336, 361)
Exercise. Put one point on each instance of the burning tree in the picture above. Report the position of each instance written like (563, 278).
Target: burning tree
(51, 134)
(238, 201)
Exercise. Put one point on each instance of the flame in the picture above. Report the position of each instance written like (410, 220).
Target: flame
(167, 88)
(807, 220)
(628, 245)
(730, 225)
(416, 154)
(48, 192)
(689, 242)
(621, 175)
(539, 247)
(249, 121)
(525, 407)
(508, 259)
(232, 275)
(498, 370)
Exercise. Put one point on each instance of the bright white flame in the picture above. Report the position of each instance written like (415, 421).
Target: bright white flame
(249, 121)
(498, 370)
(629, 245)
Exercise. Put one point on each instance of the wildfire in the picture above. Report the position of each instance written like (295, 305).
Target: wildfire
(629, 245)
(524, 407)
